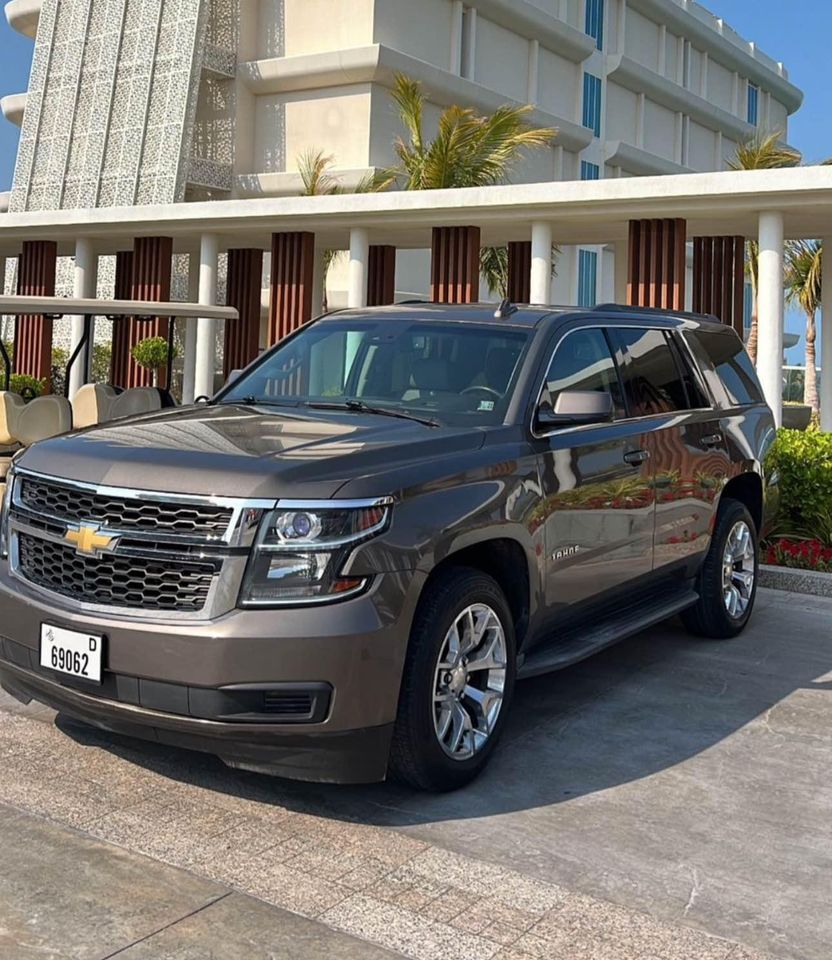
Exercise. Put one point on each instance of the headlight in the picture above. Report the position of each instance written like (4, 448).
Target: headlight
(4, 513)
(301, 548)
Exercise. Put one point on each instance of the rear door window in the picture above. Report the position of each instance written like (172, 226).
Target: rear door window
(722, 356)
(652, 379)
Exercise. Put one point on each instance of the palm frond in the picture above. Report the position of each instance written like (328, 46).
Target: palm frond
(313, 167)
(765, 151)
(803, 274)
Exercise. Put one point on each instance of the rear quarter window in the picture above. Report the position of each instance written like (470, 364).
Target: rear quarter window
(726, 366)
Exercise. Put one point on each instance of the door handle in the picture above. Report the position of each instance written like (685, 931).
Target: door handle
(636, 457)
(712, 440)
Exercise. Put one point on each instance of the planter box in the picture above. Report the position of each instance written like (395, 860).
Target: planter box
(796, 581)
(796, 416)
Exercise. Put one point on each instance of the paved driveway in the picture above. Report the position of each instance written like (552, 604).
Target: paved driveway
(668, 798)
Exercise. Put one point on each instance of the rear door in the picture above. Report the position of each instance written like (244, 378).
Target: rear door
(596, 505)
(683, 433)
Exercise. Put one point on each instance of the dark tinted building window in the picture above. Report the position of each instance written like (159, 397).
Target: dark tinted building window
(723, 355)
(651, 374)
(583, 361)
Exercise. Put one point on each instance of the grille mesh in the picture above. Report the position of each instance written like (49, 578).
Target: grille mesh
(115, 581)
(73, 505)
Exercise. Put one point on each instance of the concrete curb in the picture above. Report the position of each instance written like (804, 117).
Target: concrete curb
(796, 581)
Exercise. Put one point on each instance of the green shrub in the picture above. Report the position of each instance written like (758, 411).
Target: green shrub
(803, 461)
(23, 384)
(102, 355)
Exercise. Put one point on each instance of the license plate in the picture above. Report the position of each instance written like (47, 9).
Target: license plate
(70, 652)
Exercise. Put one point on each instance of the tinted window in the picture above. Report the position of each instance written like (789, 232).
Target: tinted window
(459, 373)
(651, 374)
(697, 398)
(722, 355)
(583, 361)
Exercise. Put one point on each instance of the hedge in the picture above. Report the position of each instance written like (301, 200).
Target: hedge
(803, 462)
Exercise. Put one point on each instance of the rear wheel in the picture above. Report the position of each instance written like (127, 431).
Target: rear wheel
(727, 582)
(458, 682)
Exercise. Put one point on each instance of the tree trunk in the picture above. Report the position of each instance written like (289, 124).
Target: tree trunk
(751, 346)
(810, 381)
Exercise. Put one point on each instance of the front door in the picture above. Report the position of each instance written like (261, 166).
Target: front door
(597, 504)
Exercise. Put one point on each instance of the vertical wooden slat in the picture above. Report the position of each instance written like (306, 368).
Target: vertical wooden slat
(245, 280)
(381, 281)
(120, 353)
(519, 271)
(455, 265)
(151, 280)
(697, 274)
(726, 316)
(33, 334)
(633, 262)
(680, 264)
(644, 255)
(292, 274)
(717, 271)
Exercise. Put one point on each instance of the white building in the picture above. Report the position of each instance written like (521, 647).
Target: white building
(158, 101)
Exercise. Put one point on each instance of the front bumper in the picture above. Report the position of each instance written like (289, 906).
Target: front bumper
(163, 679)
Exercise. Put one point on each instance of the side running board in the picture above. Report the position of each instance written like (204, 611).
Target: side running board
(582, 642)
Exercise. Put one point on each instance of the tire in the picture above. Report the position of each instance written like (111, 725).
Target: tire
(711, 616)
(419, 755)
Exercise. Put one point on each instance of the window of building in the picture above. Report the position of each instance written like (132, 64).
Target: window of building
(595, 21)
(587, 278)
(590, 171)
(753, 104)
(592, 103)
(468, 43)
(652, 379)
(583, 361)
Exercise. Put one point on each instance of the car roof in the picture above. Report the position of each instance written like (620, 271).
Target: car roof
(523, 315)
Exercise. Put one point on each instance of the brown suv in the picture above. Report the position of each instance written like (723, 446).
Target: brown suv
(341, 564)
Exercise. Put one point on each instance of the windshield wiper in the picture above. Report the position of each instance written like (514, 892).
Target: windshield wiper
(358, 406)
(252, 401)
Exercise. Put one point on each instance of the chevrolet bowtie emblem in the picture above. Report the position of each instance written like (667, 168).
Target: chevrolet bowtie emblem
(88, 541)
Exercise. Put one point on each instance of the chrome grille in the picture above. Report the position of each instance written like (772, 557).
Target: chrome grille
(71, 504)
(114, 580)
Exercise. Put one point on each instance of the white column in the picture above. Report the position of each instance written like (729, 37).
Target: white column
(206, 331)
(541, 279)
(770, 311)
(359, 266)
(621, 257)
(826, 344)
(189, 360)
(85, 280)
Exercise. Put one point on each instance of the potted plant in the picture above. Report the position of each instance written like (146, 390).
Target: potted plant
(152, 354)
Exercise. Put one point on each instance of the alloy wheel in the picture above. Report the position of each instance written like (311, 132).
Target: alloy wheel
(469, 681)
(738, 570)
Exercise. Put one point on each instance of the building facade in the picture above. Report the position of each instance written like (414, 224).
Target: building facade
(135, 102)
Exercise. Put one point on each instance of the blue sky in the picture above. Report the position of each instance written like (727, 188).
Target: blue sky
(796, 33)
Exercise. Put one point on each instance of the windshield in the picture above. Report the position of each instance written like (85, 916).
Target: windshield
(455, 373)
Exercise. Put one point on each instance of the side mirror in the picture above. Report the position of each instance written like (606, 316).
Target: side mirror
(577, 408)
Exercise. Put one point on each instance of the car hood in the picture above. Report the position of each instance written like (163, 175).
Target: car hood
(243, 451)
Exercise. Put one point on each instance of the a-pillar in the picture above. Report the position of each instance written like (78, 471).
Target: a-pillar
(657, 264)
(84, 286)
(206, 330)
(826, 343)
(541, 267)
(150, 269)
(33, 334)
(244, 285)
(455, 265)
(770, 311)
(292, 281)
(381, 281)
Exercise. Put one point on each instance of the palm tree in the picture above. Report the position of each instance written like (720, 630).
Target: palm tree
(314, 167)
(468, 150)
(764, 151)
(803, 287)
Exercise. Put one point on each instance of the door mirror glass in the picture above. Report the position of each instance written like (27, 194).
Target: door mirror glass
(574, 408)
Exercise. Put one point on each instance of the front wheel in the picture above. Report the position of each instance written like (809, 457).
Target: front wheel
(458, 682)
(727, 582)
